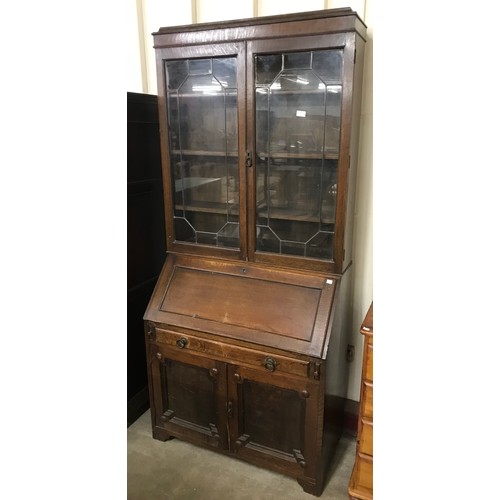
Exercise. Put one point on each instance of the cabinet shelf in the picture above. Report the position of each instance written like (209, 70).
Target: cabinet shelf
(333, 155)
(202, 152)
(299, 156)
(296, 215)
(275, 213)
(210, 207)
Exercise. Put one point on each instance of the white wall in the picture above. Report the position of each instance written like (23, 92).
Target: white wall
(158, 13)
(134, 71)
(273, 7)
(363, 212)
(223, 10)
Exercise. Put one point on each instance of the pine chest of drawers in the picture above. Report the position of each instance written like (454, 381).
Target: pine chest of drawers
(361, 483)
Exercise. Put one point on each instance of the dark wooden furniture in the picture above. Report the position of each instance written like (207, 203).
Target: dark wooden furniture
(145, 237)
(361, 483)
(259, 123)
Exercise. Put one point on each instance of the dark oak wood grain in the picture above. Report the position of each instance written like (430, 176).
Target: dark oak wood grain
(238, 335)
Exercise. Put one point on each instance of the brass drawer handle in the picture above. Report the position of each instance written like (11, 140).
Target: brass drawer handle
(270, 364)
(182, 342)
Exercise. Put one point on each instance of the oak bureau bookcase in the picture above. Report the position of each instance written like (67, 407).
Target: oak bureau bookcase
(259, 124)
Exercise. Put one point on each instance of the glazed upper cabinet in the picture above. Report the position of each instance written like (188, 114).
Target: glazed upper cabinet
(258, 125)
(257, 138)
(203, 110)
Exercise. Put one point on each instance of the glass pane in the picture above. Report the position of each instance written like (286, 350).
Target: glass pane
(298, 108)
(225, 71)
(297, 132)
(332, 125)
(202, 114)
(262, 120)
(200, 66)
(203, 134)
(177, 71)
(267, 68)
(231, 125)
(297, 61)
(327, 64)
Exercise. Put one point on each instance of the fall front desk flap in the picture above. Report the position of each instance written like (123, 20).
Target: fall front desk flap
(243, 301)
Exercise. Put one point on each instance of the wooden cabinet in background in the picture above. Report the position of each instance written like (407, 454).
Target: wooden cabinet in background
(259, 123)
(145, 237)
(361, 483)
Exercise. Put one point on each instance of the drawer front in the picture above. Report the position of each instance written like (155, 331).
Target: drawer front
(364, 469)
(369, 362)
(366, 437)
(367, 400)
(228, 353)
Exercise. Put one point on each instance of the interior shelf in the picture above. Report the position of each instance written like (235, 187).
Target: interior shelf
(334, 155)
(210, 207)
(296, 215)
(199, 152)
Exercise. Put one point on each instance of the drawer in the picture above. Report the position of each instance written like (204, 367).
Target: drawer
(364, 472)
(366, 437)
(366, 409)
(369, 362)
(232, 354)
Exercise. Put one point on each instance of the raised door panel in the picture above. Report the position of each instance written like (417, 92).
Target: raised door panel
(273, 420)
(190, 397)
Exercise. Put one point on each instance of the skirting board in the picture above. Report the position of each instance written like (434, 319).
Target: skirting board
(344, 412)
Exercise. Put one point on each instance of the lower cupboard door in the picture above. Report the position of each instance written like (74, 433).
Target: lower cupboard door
(274, 420)
(190, 397)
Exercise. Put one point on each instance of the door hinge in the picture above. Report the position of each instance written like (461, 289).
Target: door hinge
(355, 56)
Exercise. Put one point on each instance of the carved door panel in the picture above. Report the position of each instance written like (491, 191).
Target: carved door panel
(190, 396)
(271, 419)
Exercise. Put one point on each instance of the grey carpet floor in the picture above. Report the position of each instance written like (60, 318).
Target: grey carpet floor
(176, 470)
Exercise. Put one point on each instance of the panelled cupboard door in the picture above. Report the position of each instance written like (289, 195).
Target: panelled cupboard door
(299, 105)
(202, 110)
(271, 420)
(189, 395)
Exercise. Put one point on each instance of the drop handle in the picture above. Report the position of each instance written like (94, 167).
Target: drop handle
(270, 364)
(182, 342)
